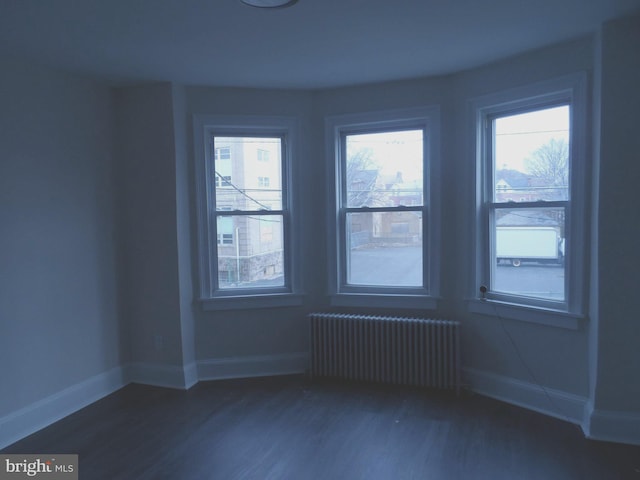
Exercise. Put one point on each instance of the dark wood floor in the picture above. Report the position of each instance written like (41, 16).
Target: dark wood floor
(289, 428)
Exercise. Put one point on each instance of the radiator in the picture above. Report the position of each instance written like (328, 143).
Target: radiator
(408, 351)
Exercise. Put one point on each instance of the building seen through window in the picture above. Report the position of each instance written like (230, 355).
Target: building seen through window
(383, 208)
(248, 208)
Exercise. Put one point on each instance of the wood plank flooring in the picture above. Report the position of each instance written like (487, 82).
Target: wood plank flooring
(291, 428)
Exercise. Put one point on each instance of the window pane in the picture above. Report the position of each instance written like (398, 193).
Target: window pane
(384, 249)
(250, 251)
(529, 251)
(531, 156)
(384, 169)
(243, 179)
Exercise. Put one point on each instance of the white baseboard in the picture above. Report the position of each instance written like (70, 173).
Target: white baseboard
(612, 426)
(605, 425)
(552, 402)
(190, 375)
(253, 366)
(48, 410)
(169, 376)
(42, 413)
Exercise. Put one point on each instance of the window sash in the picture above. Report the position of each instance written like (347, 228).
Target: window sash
(347, 216)
(572, 94)
(343, 199)
(282, 213)
(251, 254)
(492, 257)
(263, 182)
(344, 257)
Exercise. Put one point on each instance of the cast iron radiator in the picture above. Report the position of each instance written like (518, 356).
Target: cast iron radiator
(408, 351)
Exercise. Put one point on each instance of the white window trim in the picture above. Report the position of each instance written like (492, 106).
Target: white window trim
(394, 297)
(572, 89)
(204, 126)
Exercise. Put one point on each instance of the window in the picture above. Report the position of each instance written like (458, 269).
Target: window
(222, 173)
(385, 233)
(222, 180)
(531, 208)
(245, 235)
(224, 230)
(529, 151)
(225, 239)
(263, 155)
(222, 153)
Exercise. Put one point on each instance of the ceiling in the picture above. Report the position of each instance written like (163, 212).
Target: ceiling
(313, 44)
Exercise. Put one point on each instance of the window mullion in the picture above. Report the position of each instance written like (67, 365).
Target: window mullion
(401, 208)
(240, 213)
(531, 204)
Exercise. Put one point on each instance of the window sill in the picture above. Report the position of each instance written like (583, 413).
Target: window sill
(383, 301)
(512, 311)
(246, 302)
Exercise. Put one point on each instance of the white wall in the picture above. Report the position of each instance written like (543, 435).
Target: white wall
(615, 403)
(619, 225)
(58, 295)
(186, 243)
(148, 203)
(266, 335)
(553, 357)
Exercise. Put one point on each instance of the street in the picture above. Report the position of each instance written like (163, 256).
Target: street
(402, 266)
(542, 281)
(398, 266)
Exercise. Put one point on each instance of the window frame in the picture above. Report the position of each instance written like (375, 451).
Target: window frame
(206, 127)
(568, 90)
(337, 127)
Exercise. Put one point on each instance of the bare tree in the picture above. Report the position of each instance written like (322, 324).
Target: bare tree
(549, 167)
(362, 175)
(549, 170)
